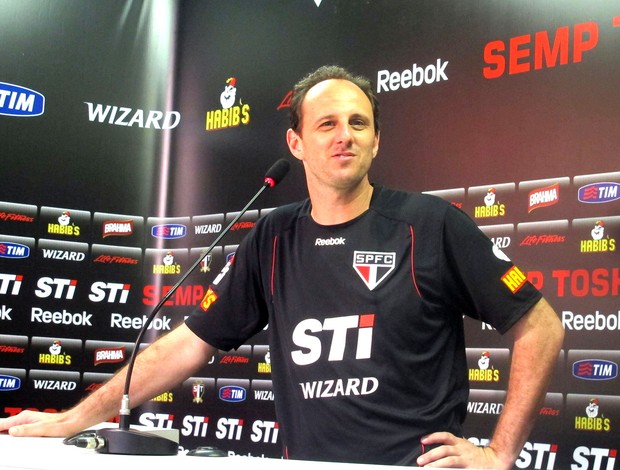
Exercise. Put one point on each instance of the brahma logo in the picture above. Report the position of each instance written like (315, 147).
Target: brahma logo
(14, 250)
(598, 193)
(18, 101)
(169, 231)
(109, 355)
(544, 197)
(118, 228)
(595, 369)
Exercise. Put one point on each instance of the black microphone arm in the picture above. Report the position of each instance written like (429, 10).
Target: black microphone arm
(123, 440)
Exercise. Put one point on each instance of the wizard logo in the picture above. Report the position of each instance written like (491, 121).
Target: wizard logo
(373, 266)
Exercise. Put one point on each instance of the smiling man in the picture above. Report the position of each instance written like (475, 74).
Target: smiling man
(364, 289)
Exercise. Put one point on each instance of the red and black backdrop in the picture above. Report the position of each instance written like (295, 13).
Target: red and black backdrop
(132, 131)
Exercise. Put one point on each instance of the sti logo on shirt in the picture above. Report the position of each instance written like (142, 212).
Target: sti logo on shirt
(312, 346)
(373, 266)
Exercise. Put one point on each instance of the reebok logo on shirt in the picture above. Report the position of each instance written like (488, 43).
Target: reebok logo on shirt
(329, 241)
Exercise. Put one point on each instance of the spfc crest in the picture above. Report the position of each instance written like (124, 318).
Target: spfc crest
(373, 266)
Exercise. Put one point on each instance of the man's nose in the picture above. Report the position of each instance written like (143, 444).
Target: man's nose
(343, 133)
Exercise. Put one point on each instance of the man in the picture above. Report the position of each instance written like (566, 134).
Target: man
(363, 289)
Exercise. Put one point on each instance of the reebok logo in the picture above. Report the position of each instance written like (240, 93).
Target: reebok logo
(329, 241)
(413, 77)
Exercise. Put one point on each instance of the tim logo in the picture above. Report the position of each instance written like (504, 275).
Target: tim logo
(14, 250)
(9, 383)
(18, 101)
(233, 394)
(595, 369)
(169, 231)
(597, 193)
(373, 266)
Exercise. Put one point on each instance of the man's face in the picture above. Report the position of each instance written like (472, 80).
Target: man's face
(337, 139)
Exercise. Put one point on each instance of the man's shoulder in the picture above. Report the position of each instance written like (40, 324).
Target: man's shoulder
(408, 205)
(282, 217)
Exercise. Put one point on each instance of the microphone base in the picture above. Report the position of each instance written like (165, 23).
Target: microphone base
(133, 442)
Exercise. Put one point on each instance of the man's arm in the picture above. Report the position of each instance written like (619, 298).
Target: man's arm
(164, 364)
(538, 338)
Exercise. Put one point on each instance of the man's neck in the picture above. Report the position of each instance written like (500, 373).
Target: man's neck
(334, 207)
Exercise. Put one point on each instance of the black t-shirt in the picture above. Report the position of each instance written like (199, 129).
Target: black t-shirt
(365, 321)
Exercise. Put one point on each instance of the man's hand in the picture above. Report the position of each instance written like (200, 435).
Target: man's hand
(455, 452)
(35, 423)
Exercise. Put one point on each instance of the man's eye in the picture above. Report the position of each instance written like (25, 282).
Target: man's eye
(358, 124)
(327, 124)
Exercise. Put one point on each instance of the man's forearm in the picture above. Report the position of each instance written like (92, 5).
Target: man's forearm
(538, 339)
(161, 366)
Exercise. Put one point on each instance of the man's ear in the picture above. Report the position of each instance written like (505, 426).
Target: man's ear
(295, 144)
(375, 149)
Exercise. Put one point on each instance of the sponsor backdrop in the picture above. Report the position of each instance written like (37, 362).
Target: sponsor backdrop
(132, 132)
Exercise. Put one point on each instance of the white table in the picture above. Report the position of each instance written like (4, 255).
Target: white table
(50, 453)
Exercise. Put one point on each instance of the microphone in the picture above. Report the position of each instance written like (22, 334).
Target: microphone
(277, 171)
(124, 440)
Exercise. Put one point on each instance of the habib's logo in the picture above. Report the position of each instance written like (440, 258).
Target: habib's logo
(599, 242)
(168, 265)
(229, 115)
(491, 208)
(594, 420)
(56, 356)
(485, 371)
(64, 226)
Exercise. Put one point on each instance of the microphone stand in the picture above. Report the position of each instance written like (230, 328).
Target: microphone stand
(124, 440)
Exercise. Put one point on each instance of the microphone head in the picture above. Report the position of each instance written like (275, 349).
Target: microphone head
(277, 171)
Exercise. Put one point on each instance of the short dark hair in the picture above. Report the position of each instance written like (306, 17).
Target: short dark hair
(330, 72)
